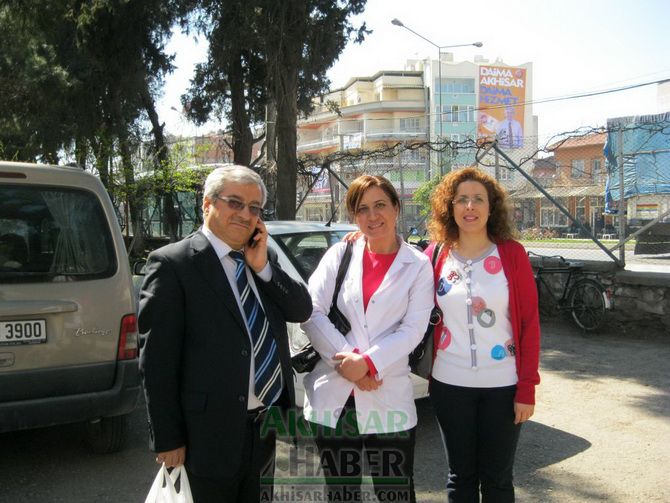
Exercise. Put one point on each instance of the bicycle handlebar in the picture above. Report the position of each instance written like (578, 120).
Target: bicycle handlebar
(543, 257)
(567, 263)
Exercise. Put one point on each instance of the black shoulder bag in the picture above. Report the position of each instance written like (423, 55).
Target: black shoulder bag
(306, 359)
(421, 359)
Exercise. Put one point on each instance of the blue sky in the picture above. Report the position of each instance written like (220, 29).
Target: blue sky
(575, 46)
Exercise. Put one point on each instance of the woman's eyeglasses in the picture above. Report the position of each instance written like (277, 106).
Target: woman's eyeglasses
(237, 205)
(465, 200)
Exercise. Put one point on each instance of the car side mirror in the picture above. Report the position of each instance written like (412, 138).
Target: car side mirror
(139, 268)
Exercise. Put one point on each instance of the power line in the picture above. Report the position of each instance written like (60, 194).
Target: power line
(587, 94)
(531, 102)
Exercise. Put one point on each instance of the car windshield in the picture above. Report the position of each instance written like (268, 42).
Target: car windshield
(53, 234)
(305, 249)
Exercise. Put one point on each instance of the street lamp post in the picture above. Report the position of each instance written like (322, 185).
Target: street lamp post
(397, 22)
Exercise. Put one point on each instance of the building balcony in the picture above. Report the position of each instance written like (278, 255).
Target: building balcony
(322, 114)
(309, 145)
(376, 135)
(400, 134)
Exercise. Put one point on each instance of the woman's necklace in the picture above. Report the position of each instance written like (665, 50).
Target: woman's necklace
(472, 252)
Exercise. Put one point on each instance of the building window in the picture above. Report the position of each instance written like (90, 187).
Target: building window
(458, 113)
(550, 215)
(448, 116)
(580, 208)
(596, 169)
(577, 168)
(458, 86)
(454, 113)
(411, 124)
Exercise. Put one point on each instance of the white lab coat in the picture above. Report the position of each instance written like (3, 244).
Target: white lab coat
(393, 325)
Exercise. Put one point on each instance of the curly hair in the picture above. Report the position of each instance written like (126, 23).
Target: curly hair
(443, 227)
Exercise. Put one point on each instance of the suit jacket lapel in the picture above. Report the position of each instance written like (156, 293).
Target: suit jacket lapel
(210, 267)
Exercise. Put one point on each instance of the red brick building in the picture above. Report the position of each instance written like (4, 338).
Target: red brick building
(575, 176)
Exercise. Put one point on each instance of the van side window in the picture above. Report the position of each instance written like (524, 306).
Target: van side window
(60, 234)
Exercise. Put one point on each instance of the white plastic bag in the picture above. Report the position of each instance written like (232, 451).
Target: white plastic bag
(163, 489)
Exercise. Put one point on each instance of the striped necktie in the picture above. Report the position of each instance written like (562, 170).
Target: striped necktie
(267, 378)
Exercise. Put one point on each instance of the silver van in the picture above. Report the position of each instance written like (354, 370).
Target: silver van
(68, 328)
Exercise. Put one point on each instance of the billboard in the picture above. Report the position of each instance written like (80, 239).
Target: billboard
(322, 184)
(502, 94)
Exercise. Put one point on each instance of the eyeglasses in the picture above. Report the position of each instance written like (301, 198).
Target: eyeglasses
(475, 201)
(237, 205)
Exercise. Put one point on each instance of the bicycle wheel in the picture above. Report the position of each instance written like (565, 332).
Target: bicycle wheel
(587, 304)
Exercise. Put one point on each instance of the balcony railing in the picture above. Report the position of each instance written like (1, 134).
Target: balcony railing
(372, 135)
(395, 132)
(318, 144)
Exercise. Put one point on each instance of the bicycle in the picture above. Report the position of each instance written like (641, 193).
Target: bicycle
(583, 296)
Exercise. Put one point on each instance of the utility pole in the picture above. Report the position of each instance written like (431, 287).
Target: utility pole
(622, 204)
(403, 228)
(497, 168)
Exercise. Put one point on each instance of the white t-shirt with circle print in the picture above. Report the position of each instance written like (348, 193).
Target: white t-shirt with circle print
(476, 346)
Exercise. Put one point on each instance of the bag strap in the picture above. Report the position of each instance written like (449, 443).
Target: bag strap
(438, 258)
(435, 251)
(342, 270)
(434, 257)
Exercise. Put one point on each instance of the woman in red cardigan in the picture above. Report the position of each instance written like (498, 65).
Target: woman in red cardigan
(487, 348)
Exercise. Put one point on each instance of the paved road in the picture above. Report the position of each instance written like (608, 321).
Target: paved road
(601, 433)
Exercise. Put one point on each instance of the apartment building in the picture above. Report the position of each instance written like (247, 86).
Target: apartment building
(472, 99)
(368, 114)
(430, 101)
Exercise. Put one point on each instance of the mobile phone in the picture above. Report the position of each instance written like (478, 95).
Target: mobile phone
(252, 243)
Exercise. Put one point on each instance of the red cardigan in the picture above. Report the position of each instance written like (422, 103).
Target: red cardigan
(523, 311)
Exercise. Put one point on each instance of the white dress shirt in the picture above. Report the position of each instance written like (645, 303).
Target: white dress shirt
(510, 133)
(229, 266)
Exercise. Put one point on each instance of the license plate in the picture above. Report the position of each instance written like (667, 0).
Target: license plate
(23, 332)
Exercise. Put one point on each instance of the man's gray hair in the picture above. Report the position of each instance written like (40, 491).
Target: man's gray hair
(218, 178)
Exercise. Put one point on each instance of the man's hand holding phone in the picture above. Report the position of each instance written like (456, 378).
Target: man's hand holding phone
(256, 249)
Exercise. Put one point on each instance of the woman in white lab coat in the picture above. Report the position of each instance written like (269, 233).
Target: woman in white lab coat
(359, 396)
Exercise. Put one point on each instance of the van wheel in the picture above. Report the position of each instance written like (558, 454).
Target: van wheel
(107, 434)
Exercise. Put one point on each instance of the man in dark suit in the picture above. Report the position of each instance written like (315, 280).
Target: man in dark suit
(214, 346)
